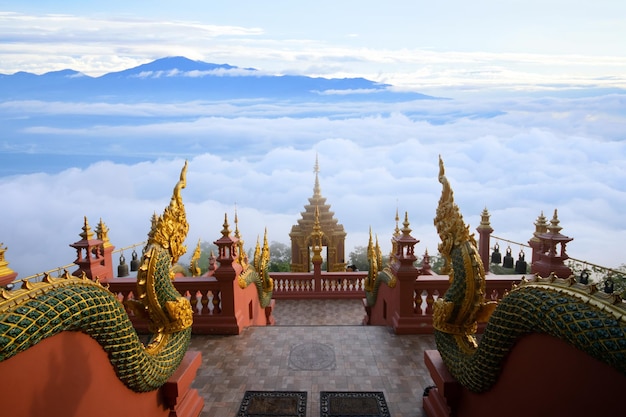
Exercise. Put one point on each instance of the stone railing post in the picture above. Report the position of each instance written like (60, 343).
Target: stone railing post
(484, 232)
(226, 274)
(406, 273)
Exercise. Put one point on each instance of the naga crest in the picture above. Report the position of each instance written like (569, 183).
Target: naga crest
(463, 305)
(158, 300)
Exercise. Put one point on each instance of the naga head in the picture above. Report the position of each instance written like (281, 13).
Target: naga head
(449, 222)
(463, 304)
(158, 300)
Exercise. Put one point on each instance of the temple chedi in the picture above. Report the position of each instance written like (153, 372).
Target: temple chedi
(303, 237)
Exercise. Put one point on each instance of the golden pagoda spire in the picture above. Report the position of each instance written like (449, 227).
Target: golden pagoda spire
(554, 227)
(317, 192)
(541, 227)
(225, 231)
(484, 220)
(396, 231)
(87, 234)
(406, 230)
(237, 235)
(102, 232)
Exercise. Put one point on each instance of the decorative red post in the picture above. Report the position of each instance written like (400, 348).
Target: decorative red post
(484, 232)
(90, 256)
(426, 268)
(406, 273)
(541, 227)
(226, 273)
(552, 255)
(102, 233)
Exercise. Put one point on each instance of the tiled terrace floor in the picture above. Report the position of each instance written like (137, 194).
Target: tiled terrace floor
(353, 358)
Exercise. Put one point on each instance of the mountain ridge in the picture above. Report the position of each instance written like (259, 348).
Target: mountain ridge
(180, 78)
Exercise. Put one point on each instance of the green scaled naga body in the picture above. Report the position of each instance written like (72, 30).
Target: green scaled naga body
(578, 314)
(69, 303)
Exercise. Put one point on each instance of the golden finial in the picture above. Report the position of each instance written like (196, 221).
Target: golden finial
(87, 234)
(170, 229)
(225, 231)
(316, 236)
(484, 220)
(554, 227)
(396, 231)
(4, 265)
(406, 230)
(541, 227)
(316, 189)
(237, 235)
(102, 232)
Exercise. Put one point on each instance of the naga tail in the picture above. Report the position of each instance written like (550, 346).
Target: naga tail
(41, 310)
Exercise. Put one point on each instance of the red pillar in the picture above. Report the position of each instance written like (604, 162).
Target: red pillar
(226, 273)
(552, 255)
(484, 232)
(90, 256)
(406, 273)
(317, 273)
(541, 226)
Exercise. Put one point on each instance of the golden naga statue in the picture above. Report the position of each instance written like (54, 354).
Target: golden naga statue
(579, 314)
(40, 310)
(458, 312)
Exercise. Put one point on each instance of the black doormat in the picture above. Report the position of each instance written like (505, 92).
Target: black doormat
(273, 403)
(352, 404)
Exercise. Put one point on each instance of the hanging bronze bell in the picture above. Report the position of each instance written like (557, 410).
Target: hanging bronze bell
(134, 263)
(496, 256)
(521, 266)
(122, 268)
(508, 261)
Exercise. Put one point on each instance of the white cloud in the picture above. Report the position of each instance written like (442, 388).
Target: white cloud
(517, 156)
(511, 156)
(100, 43)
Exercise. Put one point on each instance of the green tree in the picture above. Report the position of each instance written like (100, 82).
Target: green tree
(436, 263)
(280, 257)
(358, 258)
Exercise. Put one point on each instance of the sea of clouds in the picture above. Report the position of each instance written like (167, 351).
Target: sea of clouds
(516, 155)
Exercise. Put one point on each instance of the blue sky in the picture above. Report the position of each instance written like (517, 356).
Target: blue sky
(426, 46)
(536, 123)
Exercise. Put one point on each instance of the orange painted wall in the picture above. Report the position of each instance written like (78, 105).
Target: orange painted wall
(70, 375)
(545, 376)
